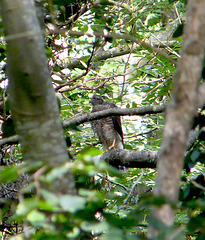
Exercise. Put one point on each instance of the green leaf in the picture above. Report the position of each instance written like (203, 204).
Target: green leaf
(88, 153)
(152, 19)
(98, 227)
(25, 206)
(114, 234)
(55, 173)
(36, 218)
(63, 2)
(50, 198)
(8, 173)
(72, 203)
(195, 155)
(49, 53)
(105, 2)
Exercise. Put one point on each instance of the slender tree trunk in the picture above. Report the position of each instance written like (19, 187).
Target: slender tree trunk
(180, 113)
(31, 95)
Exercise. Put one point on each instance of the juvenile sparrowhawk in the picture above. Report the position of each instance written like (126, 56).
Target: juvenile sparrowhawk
(108, 129)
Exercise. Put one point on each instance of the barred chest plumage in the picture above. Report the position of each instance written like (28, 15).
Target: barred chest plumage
(107, 129)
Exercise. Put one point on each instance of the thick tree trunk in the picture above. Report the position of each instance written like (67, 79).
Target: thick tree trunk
(31, 95)
(180, 113)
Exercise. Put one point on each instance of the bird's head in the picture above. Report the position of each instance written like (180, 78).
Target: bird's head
(96, 100)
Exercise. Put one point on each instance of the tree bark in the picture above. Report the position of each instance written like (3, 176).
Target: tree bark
(180, 113)
(141, 111)
(31, 95)
(130, 159)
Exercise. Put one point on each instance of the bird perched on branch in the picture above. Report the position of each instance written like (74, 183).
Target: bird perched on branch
(108, 129)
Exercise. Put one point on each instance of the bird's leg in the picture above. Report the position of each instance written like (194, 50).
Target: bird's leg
(112, 146)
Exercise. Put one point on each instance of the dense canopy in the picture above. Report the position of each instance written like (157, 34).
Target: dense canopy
(58, 181)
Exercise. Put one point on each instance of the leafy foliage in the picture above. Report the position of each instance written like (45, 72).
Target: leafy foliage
(98, 56)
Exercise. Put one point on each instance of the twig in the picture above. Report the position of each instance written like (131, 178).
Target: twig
(11, 140)
(113, 182)
(133, 187)
(142, 133)
(130, 192)
(198, 185)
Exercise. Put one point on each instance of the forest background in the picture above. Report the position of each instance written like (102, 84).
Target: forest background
(132, 54)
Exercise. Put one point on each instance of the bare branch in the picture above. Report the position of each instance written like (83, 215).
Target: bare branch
(133, 188)
(97, 115)
(120, 51)
(114, 53)
(131, 158)
(113, 182)
(125, 37)
(10, 140)
(198, 185)
(114, 112)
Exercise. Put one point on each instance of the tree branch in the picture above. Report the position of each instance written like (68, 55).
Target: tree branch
(130, 158)
(122, 157)
(115, 52)
(114, 112)
(120, 51)
(125, 37)
(10, 140)
(98, 115)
